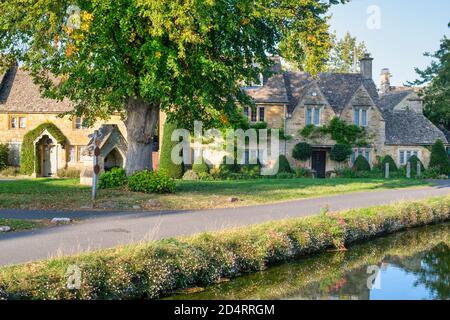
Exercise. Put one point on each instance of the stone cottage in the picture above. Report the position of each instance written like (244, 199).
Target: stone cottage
(392, 117)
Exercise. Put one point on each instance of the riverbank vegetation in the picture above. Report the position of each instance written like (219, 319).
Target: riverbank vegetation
(150, 270)
(68, 194)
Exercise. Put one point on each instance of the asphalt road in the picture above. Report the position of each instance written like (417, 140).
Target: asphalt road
(108, 229)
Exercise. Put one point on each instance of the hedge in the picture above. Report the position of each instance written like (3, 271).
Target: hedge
(150, 270)
(175, 171)
(392, 165)
(4, 151)
(439, 158)
(27, 157)
(283, 165)
(302, 151)
(361, 164)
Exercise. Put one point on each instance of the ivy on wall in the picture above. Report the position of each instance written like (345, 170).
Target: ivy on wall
(338, 130)
(28, 159)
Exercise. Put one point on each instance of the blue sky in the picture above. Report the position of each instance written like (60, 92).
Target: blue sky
(407, 29)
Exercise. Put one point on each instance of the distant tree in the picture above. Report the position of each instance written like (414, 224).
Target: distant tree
(436, 78)
(344, 53)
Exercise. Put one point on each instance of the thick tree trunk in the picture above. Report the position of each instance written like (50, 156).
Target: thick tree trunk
(140, 123)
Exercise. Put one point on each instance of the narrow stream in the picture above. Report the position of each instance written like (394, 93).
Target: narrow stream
(414, 264)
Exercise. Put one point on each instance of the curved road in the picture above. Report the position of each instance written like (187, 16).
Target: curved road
(102, 230)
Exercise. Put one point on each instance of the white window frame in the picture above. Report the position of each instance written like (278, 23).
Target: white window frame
(360, 117)
(313, 112)
(402, 161)
(361, 151)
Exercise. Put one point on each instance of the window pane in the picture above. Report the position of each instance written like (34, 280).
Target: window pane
(408, 155)
(402, 157)
(261, 114)
(80, 152)
(253, 119)
(14, 122)
(356, 117)
(71, 154)
(364, 117)
(367, 155)
(308, 116)
(316, 116)
(246, 112)
(77, 123)
(22, 123)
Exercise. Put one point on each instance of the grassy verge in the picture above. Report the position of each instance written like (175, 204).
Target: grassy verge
(149, 270)
(19, 225)
(69, 194)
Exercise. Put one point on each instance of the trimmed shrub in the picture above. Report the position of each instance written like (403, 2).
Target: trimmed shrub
(153, 269)
(361, 164)
(151, 182)
(4, 151)
(439, 158)
(414, 160)
(68, 173)
(283, 165)
(205, 176)
(392, 165)
(114, 178)
(200, 168)
(190, 176)
(340, 152)
(302, 151)
(303, 173)
(173, 170)
(29, 160)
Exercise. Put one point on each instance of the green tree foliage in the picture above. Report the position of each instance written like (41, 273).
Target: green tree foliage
(302, 151)
(392, 165)
(340, 152)
(174, 171)
(361, 164)
(29, 161)
(439, 158)
(4, 151)
(436, 79)
(137, 57)
(283, 165)
(344, 52)
(114, 178)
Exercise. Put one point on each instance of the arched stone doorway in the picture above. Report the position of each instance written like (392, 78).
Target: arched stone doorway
(47, 155)
(113, 160)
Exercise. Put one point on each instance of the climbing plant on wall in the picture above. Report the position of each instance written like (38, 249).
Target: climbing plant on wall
(340, 131)
(28, 160)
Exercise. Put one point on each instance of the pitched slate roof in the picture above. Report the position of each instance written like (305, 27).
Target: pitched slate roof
(407, 127)
(273, 91)
(18, 93)
(338, 88)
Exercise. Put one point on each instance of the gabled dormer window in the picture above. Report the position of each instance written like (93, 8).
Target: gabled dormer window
(313, 116)
(360, 117)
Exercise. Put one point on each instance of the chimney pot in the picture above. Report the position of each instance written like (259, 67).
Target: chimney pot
(385, 80)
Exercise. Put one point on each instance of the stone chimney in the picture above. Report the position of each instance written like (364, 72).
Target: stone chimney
(366, 66)
(385, 81)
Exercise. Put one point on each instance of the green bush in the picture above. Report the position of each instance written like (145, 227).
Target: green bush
(190, 176)
(151, 182)
(28, 159)
(205, 176)
(153, 269)
(200, 167)
(392, 165)
(10, 172)
(174, 171)
(303, 173)
(68, 173)
(414, 160)
(4, 151)
(302, 151)
(340, 152)
(114, 178)
(283, 165)
(439, 158)
(361, 164)
(432, 173)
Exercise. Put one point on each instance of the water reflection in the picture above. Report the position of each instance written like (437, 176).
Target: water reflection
(410, 265)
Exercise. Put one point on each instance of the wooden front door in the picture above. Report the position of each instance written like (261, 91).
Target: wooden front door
(318, 163)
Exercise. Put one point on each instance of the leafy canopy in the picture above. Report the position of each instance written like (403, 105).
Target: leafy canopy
(344, 53)
(436, 79)
(187, 56)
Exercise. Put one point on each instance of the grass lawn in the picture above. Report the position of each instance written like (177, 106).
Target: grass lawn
(18, 225)
(68, 194)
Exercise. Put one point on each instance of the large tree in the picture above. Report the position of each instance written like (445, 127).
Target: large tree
(345, 54)
(186, 57)
(436, 79)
